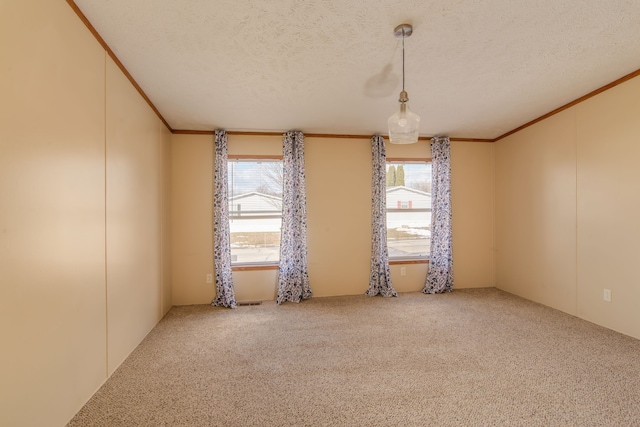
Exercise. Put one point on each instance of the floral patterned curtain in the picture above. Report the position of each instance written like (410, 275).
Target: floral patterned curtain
(440, 275)
(380, 276)
(293, 271)
(225, 295)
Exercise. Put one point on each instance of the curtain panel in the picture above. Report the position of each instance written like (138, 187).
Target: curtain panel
(380, 275)
(225, 295)
(293, 270)
(440, 274)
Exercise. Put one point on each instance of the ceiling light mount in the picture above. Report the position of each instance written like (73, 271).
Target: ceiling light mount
(403, 125)
(403, 31)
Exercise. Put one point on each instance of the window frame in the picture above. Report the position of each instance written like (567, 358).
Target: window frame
(407, 260)
(263, 265)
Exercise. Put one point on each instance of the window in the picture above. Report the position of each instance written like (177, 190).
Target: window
(255, 210)
(408, 209)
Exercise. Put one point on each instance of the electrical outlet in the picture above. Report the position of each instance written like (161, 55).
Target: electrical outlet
(607, 295)
(403, 271)
(209, 278)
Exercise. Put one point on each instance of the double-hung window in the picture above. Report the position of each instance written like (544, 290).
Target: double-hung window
(408, 209)
(255, 210)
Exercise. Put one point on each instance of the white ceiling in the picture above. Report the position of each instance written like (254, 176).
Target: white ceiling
(474, 68)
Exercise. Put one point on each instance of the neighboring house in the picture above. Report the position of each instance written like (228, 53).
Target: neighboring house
(408, 208)
(253, 204)
(402, 197)
(255, 212)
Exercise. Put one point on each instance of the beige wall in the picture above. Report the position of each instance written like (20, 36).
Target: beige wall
(339, 240)
(566, 210)
(65, 247)
(472, 214)
(608, 203)
(191, 215)
(52, 207)
(135, 144)
(536, 213)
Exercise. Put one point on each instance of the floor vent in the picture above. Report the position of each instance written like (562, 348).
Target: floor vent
(241, 304)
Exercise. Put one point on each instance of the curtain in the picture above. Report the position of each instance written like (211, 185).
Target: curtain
(293, 270)
(225, 295)
(440, 275)
(380, 276)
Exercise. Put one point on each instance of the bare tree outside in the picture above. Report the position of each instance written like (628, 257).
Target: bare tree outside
(422, 186)
(274, 178)
(266, 189)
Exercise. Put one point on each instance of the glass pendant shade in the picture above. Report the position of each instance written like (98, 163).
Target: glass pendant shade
(404, 125)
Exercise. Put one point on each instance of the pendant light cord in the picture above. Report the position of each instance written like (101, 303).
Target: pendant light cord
(403, 36)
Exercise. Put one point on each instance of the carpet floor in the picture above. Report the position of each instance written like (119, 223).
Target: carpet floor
(476, 357)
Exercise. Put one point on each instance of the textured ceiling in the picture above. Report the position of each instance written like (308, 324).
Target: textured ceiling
(474, 68)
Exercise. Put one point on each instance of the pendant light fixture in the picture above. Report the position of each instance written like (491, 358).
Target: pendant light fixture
(404, 125)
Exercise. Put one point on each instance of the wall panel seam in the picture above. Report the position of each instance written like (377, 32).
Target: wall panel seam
(106, 282)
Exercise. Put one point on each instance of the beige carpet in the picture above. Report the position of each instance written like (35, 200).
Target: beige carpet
(469, 358)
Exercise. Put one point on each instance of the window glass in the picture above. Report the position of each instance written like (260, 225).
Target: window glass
(408, 209)
(255, 210)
